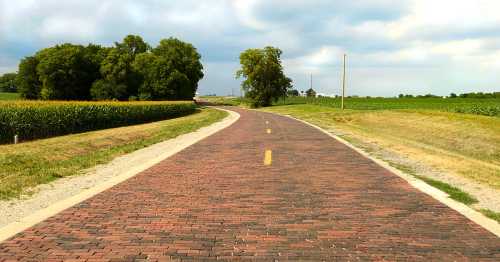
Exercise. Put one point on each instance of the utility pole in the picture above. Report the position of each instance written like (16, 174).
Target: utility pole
(311, 81)
(343, 82)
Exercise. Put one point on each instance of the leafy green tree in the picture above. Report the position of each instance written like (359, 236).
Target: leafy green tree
(171, 71)
(94, 55)
(310, 93)
(115, 71)
(265, 80)
(292, 92)
(129, 70)
(8, 83)
(146, 64)
(28, 82)
(105, 90)
(65, 72)
(184, 68)
(133, 45)
(119, 81)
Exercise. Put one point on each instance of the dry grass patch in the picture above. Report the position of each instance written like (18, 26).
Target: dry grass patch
(456, 153)
(467, 145)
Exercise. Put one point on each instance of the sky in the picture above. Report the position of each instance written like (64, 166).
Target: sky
(392, 47)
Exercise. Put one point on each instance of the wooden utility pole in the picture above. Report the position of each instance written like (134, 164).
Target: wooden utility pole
(343, 82)
(311, 81)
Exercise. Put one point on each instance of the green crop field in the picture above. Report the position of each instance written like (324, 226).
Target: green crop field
(40, 119)
(9, 96)
(479, 106)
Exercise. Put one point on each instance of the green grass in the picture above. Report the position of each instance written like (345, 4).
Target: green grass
(462, 144)
(27, 165)
(405, 168)
(488, 107)
(491, 214)
(454, 192)
(9, 96)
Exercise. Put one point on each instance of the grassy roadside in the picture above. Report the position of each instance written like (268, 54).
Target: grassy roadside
(27, 165)
(464, 145)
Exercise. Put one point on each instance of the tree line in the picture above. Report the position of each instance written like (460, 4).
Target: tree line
(130, 70)
(8, 83)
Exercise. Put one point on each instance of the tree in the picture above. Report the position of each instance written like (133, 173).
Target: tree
(129, 69)
(453, 95)
(310, 93)
(115, 70)
(171, 71)
(119, 81)
(264, 79)
(292, 92)
(28, 82)
(8, 83)
(65, 72)
(105, 90)
(184, 64)
(133, 45)
(94, 55)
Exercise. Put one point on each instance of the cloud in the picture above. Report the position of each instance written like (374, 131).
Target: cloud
(393, 46)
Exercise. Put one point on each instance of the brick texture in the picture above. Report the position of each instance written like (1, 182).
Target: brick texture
(318, 201)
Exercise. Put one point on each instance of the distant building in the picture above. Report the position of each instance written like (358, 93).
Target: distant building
(325, 95)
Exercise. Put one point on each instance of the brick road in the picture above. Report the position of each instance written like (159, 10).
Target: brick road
(318, 200)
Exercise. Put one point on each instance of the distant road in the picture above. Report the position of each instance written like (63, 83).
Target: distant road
(266, 188)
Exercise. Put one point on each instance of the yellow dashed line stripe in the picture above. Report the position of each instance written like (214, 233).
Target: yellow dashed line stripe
(268, 158)
(269, 131)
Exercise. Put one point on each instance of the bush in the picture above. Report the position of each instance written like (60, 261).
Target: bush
(33, 120)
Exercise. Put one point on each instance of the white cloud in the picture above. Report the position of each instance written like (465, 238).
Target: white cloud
(67, 27)
(244, 10)
(393, 46)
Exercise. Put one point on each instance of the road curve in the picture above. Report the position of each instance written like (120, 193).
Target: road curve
(266, 188)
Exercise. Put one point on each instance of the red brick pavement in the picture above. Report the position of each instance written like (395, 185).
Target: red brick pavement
(319, 200)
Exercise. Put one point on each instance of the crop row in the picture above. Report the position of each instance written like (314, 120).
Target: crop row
(488, 107)
(33, 120)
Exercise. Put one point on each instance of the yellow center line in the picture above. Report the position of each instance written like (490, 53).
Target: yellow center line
(268, 158)
(269, 131)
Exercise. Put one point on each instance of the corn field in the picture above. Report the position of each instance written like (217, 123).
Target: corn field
(477, 106)
(36, 119)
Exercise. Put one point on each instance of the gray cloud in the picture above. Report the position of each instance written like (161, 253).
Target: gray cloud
(393, 46)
